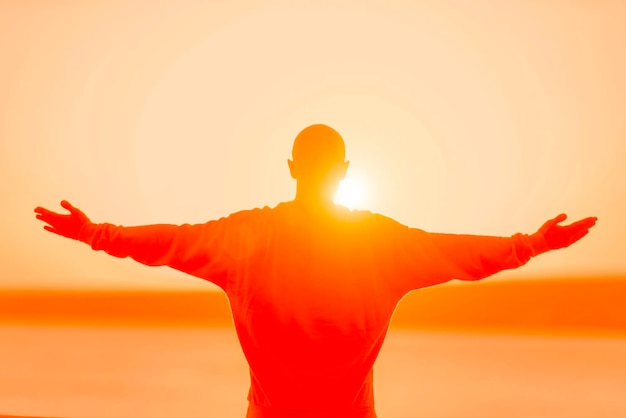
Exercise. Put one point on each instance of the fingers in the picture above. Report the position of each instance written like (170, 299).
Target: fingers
(43, 211)
(552, 222)
(64, 203)
(559, 218)
(51, 229)
(64, 224)
(587, 222)
(67, 205)
(559, 236)
(582, 225)
(45, 214)
(578, 229)
(73, 210)
(51, 220)
(49, 217)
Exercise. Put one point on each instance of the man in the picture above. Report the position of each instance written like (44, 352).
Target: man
(312, 286)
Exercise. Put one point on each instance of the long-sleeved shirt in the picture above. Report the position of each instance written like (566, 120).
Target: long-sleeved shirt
(312, 293)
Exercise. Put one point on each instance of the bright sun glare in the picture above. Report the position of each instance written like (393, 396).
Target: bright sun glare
(351, 193)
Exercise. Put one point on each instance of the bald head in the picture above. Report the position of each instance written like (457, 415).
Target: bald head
(318, 160)
(318, 145)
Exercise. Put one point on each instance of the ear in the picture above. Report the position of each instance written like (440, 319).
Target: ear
(343, 169)
(292, 169)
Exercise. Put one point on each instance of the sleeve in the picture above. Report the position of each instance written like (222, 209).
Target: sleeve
(207, 251)
(425, 259)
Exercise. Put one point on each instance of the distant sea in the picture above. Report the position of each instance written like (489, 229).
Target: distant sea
(581, 307)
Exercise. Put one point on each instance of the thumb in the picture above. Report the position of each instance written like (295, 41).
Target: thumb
(73, 210)
(67, 205)
(552, 222)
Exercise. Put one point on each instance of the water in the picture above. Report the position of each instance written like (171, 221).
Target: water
(165, 372)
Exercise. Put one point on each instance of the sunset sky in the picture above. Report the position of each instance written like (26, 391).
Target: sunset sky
(480, 117)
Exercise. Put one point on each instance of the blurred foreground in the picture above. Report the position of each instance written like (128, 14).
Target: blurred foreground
(490, 349)
(168, 372)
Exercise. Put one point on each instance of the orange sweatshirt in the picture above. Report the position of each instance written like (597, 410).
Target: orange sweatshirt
(312, 293)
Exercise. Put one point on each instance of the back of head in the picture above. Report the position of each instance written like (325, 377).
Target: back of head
(318, 147)
(318, 164)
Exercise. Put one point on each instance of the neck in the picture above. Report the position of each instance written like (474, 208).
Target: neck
(315, 196)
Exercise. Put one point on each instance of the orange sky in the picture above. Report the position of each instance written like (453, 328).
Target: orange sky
(476, 117)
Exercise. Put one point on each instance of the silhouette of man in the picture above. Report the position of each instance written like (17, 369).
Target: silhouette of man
(312, 286)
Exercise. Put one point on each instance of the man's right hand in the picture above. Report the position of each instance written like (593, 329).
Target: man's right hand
(62, 224)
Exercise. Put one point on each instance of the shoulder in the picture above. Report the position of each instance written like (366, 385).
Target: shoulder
(389, 230)
(251, 213)
(247, 217)
(374, 219)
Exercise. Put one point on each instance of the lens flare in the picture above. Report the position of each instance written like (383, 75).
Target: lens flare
(351, 193)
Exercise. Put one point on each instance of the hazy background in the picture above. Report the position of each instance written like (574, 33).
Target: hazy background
(480, 117)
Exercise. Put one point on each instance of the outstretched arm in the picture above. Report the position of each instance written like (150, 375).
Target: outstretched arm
(485, 255)
(192, 249)
(433, 258)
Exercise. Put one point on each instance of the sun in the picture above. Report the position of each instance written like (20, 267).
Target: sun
(351, 193)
